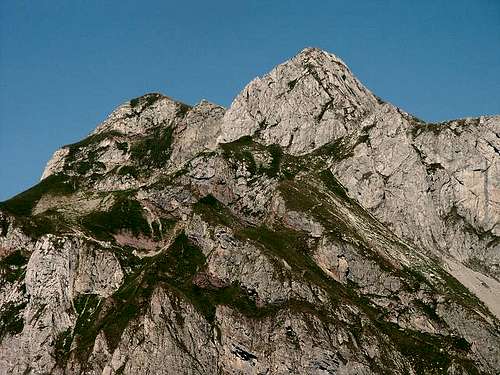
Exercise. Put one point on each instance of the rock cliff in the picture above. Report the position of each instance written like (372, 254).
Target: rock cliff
(309, 228)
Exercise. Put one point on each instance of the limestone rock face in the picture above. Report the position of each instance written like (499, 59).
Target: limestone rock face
(436, 186)
(309, 228)
(197, 133)
(300, 105)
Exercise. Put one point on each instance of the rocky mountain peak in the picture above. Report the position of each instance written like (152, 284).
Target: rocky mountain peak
(301, 104)
(138, 116)
(310, 228)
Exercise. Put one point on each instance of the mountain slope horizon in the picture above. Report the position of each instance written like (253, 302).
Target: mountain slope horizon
(310, 227)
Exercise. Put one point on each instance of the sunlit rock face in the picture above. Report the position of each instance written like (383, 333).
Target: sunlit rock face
(310, 228)
(301, 105)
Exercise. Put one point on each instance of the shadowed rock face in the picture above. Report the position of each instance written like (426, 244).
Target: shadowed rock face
(309, 228)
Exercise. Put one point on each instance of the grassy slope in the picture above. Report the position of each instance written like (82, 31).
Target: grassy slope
(176, 268)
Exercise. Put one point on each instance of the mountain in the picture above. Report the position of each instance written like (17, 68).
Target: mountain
(311, 228)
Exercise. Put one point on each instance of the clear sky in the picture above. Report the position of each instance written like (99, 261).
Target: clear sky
(64, 65)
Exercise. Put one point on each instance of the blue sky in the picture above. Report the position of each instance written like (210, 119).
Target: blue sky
(64, 65)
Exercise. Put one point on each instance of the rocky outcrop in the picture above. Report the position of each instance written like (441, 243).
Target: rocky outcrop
(309, 228)
(301, 105)
(437, 188)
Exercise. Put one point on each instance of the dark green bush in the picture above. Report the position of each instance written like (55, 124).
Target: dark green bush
(126, 214)
(22, 204)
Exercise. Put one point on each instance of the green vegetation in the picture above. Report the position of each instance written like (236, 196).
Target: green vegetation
(135, 102)
(309, 198)
(182, 109)
(122, 146)
(214, 212)
(334, 185)
(11, 318)
(283, 165)
(12, 267)
(162, 226)
(154, 150)
(415, 278)
(429, 310)
(22, 204)
(178, 268)
(62, 346)
(276, 155)
(50, 221)
(90, 164)
(461, 294)
(291, 84)
(12, 270)
(114, 314)
(306, 198)
(240, 150)
(126, 214)
(89, 157)
(16, 259)
(145, 100)
(293, 247)
(337, 150)
(4, 226)
(90, 140)
(288, 245)
(174, 269)
(87, 307)
(428, 354)
(243, 150)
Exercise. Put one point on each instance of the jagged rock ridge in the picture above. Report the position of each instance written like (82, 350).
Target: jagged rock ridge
(310, 228)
